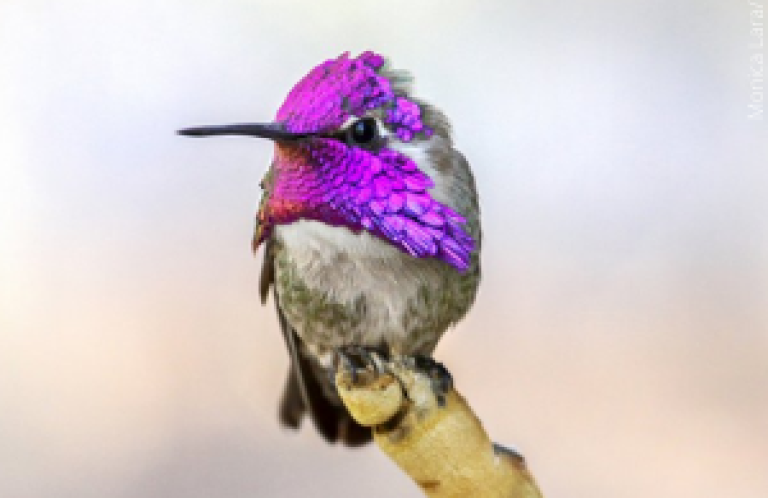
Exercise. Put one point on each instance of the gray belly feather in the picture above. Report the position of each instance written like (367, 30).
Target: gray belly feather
(338, 288)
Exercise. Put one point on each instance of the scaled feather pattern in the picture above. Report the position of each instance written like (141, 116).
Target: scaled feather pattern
(378, 190)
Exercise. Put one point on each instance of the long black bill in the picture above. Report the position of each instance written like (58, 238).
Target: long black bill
(272, 131)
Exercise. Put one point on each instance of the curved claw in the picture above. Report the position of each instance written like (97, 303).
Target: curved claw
(441, 379)
(357, 360)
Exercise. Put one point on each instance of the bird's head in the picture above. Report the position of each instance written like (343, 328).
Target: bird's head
(354, 149)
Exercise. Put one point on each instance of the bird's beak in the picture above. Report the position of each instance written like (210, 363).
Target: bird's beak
(272, 131)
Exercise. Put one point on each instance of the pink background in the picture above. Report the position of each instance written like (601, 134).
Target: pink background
(620, 338)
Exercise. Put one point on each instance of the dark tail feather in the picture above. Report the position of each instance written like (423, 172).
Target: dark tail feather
(332, 421)
(292, 405)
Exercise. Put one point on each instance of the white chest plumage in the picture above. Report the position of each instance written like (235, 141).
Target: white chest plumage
(344, 269)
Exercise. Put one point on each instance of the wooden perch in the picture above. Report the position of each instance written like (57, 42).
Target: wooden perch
(441, 444)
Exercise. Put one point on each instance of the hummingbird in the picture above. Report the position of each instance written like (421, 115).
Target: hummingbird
(371, 226)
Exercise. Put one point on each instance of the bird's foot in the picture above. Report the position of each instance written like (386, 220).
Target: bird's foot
(439, 376)
(376, 387)
(361, 363)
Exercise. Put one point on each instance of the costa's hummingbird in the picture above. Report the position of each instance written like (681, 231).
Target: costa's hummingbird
(371, 224)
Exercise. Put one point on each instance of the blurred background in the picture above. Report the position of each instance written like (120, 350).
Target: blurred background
(620, 338)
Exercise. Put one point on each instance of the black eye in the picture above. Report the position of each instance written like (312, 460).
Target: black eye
(363, 131)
